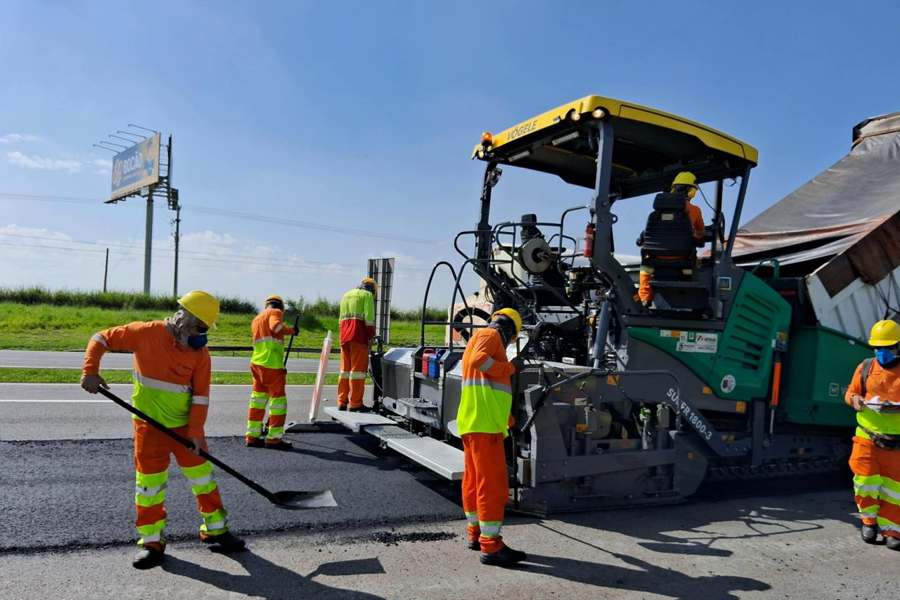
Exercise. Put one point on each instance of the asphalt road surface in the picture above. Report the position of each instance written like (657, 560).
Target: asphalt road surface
(66, 489)
(36, 359)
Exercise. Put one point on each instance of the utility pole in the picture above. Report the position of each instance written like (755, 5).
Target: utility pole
(105, 270)
(174, 204)
(148, 242)
(177, 239)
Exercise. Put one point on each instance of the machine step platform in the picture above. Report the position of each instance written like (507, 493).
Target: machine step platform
(355, 421)
(440, 458)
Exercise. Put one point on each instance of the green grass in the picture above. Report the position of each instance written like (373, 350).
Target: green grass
(10, 375)
(50, 327)
(115, 300)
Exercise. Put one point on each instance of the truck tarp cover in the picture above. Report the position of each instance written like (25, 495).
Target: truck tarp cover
(850, 210)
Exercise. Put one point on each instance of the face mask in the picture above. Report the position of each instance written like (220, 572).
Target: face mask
(884, 356)
(197, 341)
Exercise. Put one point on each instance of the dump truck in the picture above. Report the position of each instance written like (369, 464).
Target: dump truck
(617, 403)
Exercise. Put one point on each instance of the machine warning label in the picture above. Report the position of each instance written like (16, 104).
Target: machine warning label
(695, 341)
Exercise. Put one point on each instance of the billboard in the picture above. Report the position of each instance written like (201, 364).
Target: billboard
(135, 168)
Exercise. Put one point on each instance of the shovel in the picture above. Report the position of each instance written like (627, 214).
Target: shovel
(287, 500)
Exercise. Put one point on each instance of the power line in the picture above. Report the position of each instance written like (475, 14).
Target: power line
(244, 216)
(284, 264)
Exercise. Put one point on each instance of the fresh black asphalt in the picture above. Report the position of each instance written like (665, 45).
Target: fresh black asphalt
(79, 493)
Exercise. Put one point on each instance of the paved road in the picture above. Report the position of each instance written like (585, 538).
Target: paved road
(62, 411)
(762, 547)
(72, 360)
(79, 492)
(65, 513)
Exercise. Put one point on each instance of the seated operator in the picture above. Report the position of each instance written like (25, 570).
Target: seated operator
(685, 184)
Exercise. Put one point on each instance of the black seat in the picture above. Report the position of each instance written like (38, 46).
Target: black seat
(667, 244)
(668, 239)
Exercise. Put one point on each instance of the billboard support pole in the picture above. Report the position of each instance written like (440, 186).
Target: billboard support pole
(105, 270)
(148, 242)
(177, 238)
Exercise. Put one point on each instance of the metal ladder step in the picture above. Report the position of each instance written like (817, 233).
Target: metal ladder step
(441, 458)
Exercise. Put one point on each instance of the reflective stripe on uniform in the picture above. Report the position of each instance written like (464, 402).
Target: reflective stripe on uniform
(168, 403)
(278, 406)
(215, 523)
(490, 528)
(100, 340)
(487, 364)
(498, 387)
(200, 478)
(158, 384)
(151, 533)
(200, 400)
(472, 518)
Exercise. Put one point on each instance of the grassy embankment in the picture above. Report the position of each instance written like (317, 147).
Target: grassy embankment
(40, 320)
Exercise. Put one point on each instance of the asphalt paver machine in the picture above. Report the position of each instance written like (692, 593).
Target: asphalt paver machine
(617, 403)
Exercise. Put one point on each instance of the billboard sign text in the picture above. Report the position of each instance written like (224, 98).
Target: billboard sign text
(135, 168)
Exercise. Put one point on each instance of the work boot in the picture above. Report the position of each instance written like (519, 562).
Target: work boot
(224, 542)
(505, 557)
(869, 533)
(148, 557)
(473, 544)
(279, 445)
(892, 543)
(342, 407)
(361, 409)
(252, 442)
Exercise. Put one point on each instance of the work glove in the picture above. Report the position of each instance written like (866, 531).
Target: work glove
(92, 383)
(857, 402)
(198, 443)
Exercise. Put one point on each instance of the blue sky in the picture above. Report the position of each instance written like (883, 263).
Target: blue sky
(362, 115)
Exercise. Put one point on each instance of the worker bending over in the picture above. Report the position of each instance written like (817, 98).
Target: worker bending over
(685, 183)
(875, 460)
(269, 375)
(483, 419)
(357, 323)
(171, 385)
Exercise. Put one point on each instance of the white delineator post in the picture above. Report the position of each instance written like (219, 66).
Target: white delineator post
(320, 379)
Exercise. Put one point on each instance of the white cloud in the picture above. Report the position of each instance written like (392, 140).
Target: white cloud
(42, 163)
(18, 138)
(100, 166)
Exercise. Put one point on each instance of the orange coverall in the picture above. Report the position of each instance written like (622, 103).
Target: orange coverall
(171, 384)
(645, 291)
(267, 370)
(876, 471)
(483, 419)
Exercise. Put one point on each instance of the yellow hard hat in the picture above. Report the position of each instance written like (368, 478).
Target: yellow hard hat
(369, 282)
(274, 298)
(512, 314)
(884, 333)
(685, 178)
(202, 305)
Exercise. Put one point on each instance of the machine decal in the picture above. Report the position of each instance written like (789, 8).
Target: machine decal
(694, 418)
(691, 341)
(728, 383)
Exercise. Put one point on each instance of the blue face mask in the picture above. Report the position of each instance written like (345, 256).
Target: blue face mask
(884, 356)
(197, 341)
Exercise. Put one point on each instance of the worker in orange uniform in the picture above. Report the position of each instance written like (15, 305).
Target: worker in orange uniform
(357, 323)
(684, 183)
(267, 369)
(483, 418)
(875, 460)
(171, 384)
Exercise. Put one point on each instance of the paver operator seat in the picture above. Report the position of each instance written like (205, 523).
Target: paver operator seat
(668, 245)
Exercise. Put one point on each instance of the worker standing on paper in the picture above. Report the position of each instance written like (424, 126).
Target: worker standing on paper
(483, 419)
(171, 384)
(269, 377)
(875, 460)
(357, 323)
